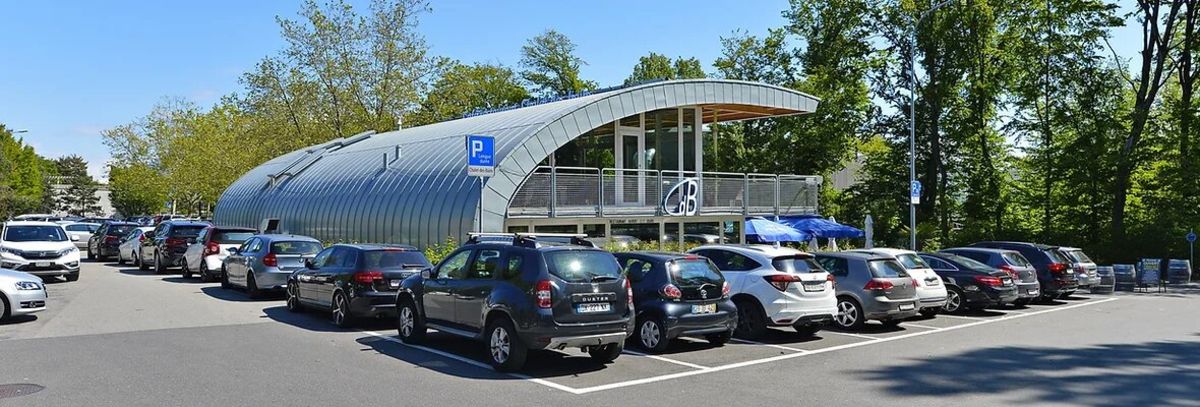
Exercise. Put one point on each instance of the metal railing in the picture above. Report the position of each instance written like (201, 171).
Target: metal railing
(611, 192)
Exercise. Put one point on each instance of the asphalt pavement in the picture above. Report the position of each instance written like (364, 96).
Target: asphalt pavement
(123, 337)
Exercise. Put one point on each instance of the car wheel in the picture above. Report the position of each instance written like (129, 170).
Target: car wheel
(954, 300)
(73, 276)
(293, 300)
(91, 254)
(158, 266)
(252, 287)
(751, 324)
(225, 279)
(141, 265)
(606, 353)
(187, 271)
(930, 312)
(205, 277)
(652, 335)
(120, 259)
(340, 312)
(719, 339)
(3, 308)
(409, 324)
(850, 316)
(505, 350)
(806, 330)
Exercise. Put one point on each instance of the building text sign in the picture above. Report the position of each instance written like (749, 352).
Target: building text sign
(682, 199)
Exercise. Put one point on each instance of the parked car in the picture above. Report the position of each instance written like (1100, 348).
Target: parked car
(1179, 271)
(1010, 261)
(1055, 275)
(264, 262)
(774, 286)
(20, 294)
(129, 248)
(1085, 268)
(1124, 276)
(40, 248)
(80, 233)
(352, 281)
(97, 220)
(972, 285)
(677, 295)
(1107, 282)
(870, 286)
(930, 290)
(164, 246)
(37, 217)
(105, 242)
(141, 220)
(522, 295)
(206, 255)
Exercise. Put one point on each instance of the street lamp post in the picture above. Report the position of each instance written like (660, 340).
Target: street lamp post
(912, 120)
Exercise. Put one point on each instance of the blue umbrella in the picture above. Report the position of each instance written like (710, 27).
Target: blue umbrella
(770, 231)
(820, 227)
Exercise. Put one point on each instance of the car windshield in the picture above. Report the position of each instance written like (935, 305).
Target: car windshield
(1177, 264)
(35, 234)
(395, 259)
(295, 247)
(912, 261)
(796, 264)
(886, 268)
(231, 236)
(583, 266)
(186, 231)
(120, 230)
(1015, 259)
(694, 273)
(1078, 256)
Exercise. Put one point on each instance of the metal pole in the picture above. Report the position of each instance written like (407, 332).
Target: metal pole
(912, 134)
(480, 230)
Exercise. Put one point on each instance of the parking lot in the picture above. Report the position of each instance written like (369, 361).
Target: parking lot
(120, 336)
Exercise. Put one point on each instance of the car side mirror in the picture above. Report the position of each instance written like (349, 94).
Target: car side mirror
(232, 250)
(75, 238)
(308, 264)
(149, 235)
(426, 273)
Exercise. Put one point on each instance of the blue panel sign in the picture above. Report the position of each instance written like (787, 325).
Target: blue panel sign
(915, 192)
(481, 158)
(1191, 237)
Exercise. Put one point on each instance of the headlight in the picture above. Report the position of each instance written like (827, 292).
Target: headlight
(11, 251)
(28, 285)
(67, 251)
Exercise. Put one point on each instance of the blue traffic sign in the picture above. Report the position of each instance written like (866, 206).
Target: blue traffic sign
(1191, 237)
(481, 156)
(914, 193)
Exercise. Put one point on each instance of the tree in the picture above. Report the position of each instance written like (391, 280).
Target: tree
(136, 189)
(659, 66)
(79, 197)
(551, 65)
(462, 89)
(22, 182)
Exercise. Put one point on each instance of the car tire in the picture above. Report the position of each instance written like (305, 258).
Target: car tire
(3, 308)
(954, 301)
(850, 314)
(606, 353)
(719, 339)
(651, 335)
(806, 331)
(293, 300)
(252, 290)
(752, 322)
(73, 276)
(225, 279)
(505, 351)
(187, 271)
(91, 254)
(120, 259)
(409, 323)
(930, 312)
(158, 266)
(340, 311)
(141, 265)
(205, 276)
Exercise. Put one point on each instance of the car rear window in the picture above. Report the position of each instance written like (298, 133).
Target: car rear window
(912, 261)
(1056, 256)
(295, 247)
(583, 266)
(120, 230)
(394, 260)
(1015, 259)
(231, 236)
(886, 269)
(82, 228)
(1079, 256)
(796, 264)
(186, 231)
(694, 273)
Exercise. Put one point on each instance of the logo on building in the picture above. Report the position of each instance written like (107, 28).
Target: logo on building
(682, 199)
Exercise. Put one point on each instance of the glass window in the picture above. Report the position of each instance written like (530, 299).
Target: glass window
(938, 264)
(35, 234)
(834, 265)
(119, 230)
(1079, 256)
(729, 261)
(247, 245)
(77, 228)
(796, 264)
(321, 258)
(636, 269)
(514, 263)
(454, 267)
(583, 266)
(665, 126)
(969, 264)
(912, 261)
(694, 273)
(394, 259)
(230, 236)
(1015, 259)
(1056, 256)
(485, 265)
(886, 269)
(688, 129)
(185, 232)
(295, 247)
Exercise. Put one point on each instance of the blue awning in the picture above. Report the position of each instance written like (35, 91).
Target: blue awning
(766, 230)
(820, 227)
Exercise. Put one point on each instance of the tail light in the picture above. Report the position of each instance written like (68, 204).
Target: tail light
(781, 281)
(1057, 268)
(915, 284)
(141, 238)
(211, 248)
(365, 277)
(111, 239)
(671, 291)
(989, 281)
(831, 280)
(174, 241)
(628, 295)
(878, 284)
(725, 288)
(269, 260)
(1011, 271)
(544, 299)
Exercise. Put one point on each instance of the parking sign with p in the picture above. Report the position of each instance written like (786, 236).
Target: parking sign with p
(481, 156)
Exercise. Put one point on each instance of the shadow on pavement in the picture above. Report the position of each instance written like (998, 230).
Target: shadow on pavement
(237, 295)
(1145, 374)
(319, 321)
(135, 272)
(539, 364)
(181, 280)
(19, 319)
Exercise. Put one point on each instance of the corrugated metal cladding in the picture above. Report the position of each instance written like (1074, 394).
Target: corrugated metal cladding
(355, 189)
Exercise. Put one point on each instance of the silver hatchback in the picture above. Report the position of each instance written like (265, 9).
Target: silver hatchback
(264, 262)
(870, 286)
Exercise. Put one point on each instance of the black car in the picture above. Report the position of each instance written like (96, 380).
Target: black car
(678, 295)
(104, 243)
(1008, 261)
(1054, 272)
(520, 295)
(354, 281)
(971, 285)
(165, 245)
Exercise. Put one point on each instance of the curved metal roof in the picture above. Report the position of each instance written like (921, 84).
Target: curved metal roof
(356, 189)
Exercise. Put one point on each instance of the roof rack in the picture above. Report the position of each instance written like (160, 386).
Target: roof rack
(526, 239)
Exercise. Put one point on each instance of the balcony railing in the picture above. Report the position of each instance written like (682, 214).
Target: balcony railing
(610, 192)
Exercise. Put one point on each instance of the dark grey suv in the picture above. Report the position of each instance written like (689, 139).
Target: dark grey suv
(518, 294)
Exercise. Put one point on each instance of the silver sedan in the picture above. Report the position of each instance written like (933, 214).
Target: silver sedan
(20, 294)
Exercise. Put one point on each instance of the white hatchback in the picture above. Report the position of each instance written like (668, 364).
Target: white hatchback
(774, 286)
(931, 291)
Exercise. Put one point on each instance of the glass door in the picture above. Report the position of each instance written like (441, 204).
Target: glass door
(630, 179)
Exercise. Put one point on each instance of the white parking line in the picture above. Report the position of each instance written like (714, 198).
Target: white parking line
(960, 317)
(668, 360)
(850, 335)
(908, 324)
(769, 344)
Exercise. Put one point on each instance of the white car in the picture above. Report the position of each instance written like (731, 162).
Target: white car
(931, 291)
(130, 248)
(774, 286)
(204, 257)
(20, 294)
(80, 233)
(43, 249)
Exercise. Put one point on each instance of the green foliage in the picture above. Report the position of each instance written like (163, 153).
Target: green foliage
(23, 185)
(551, 65)
(464, 88)
(439, 251)
(137, 189)
(79, 198)
(658, 66)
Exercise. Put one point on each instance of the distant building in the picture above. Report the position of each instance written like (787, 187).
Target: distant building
(58, 187)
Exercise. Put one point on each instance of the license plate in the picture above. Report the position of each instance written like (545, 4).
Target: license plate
(42, 264)
(907, 307)
(588, 308)
(810, 287)
(394, 284)
(704, 309)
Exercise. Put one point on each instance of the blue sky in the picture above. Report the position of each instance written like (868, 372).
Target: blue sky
(69, 69)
